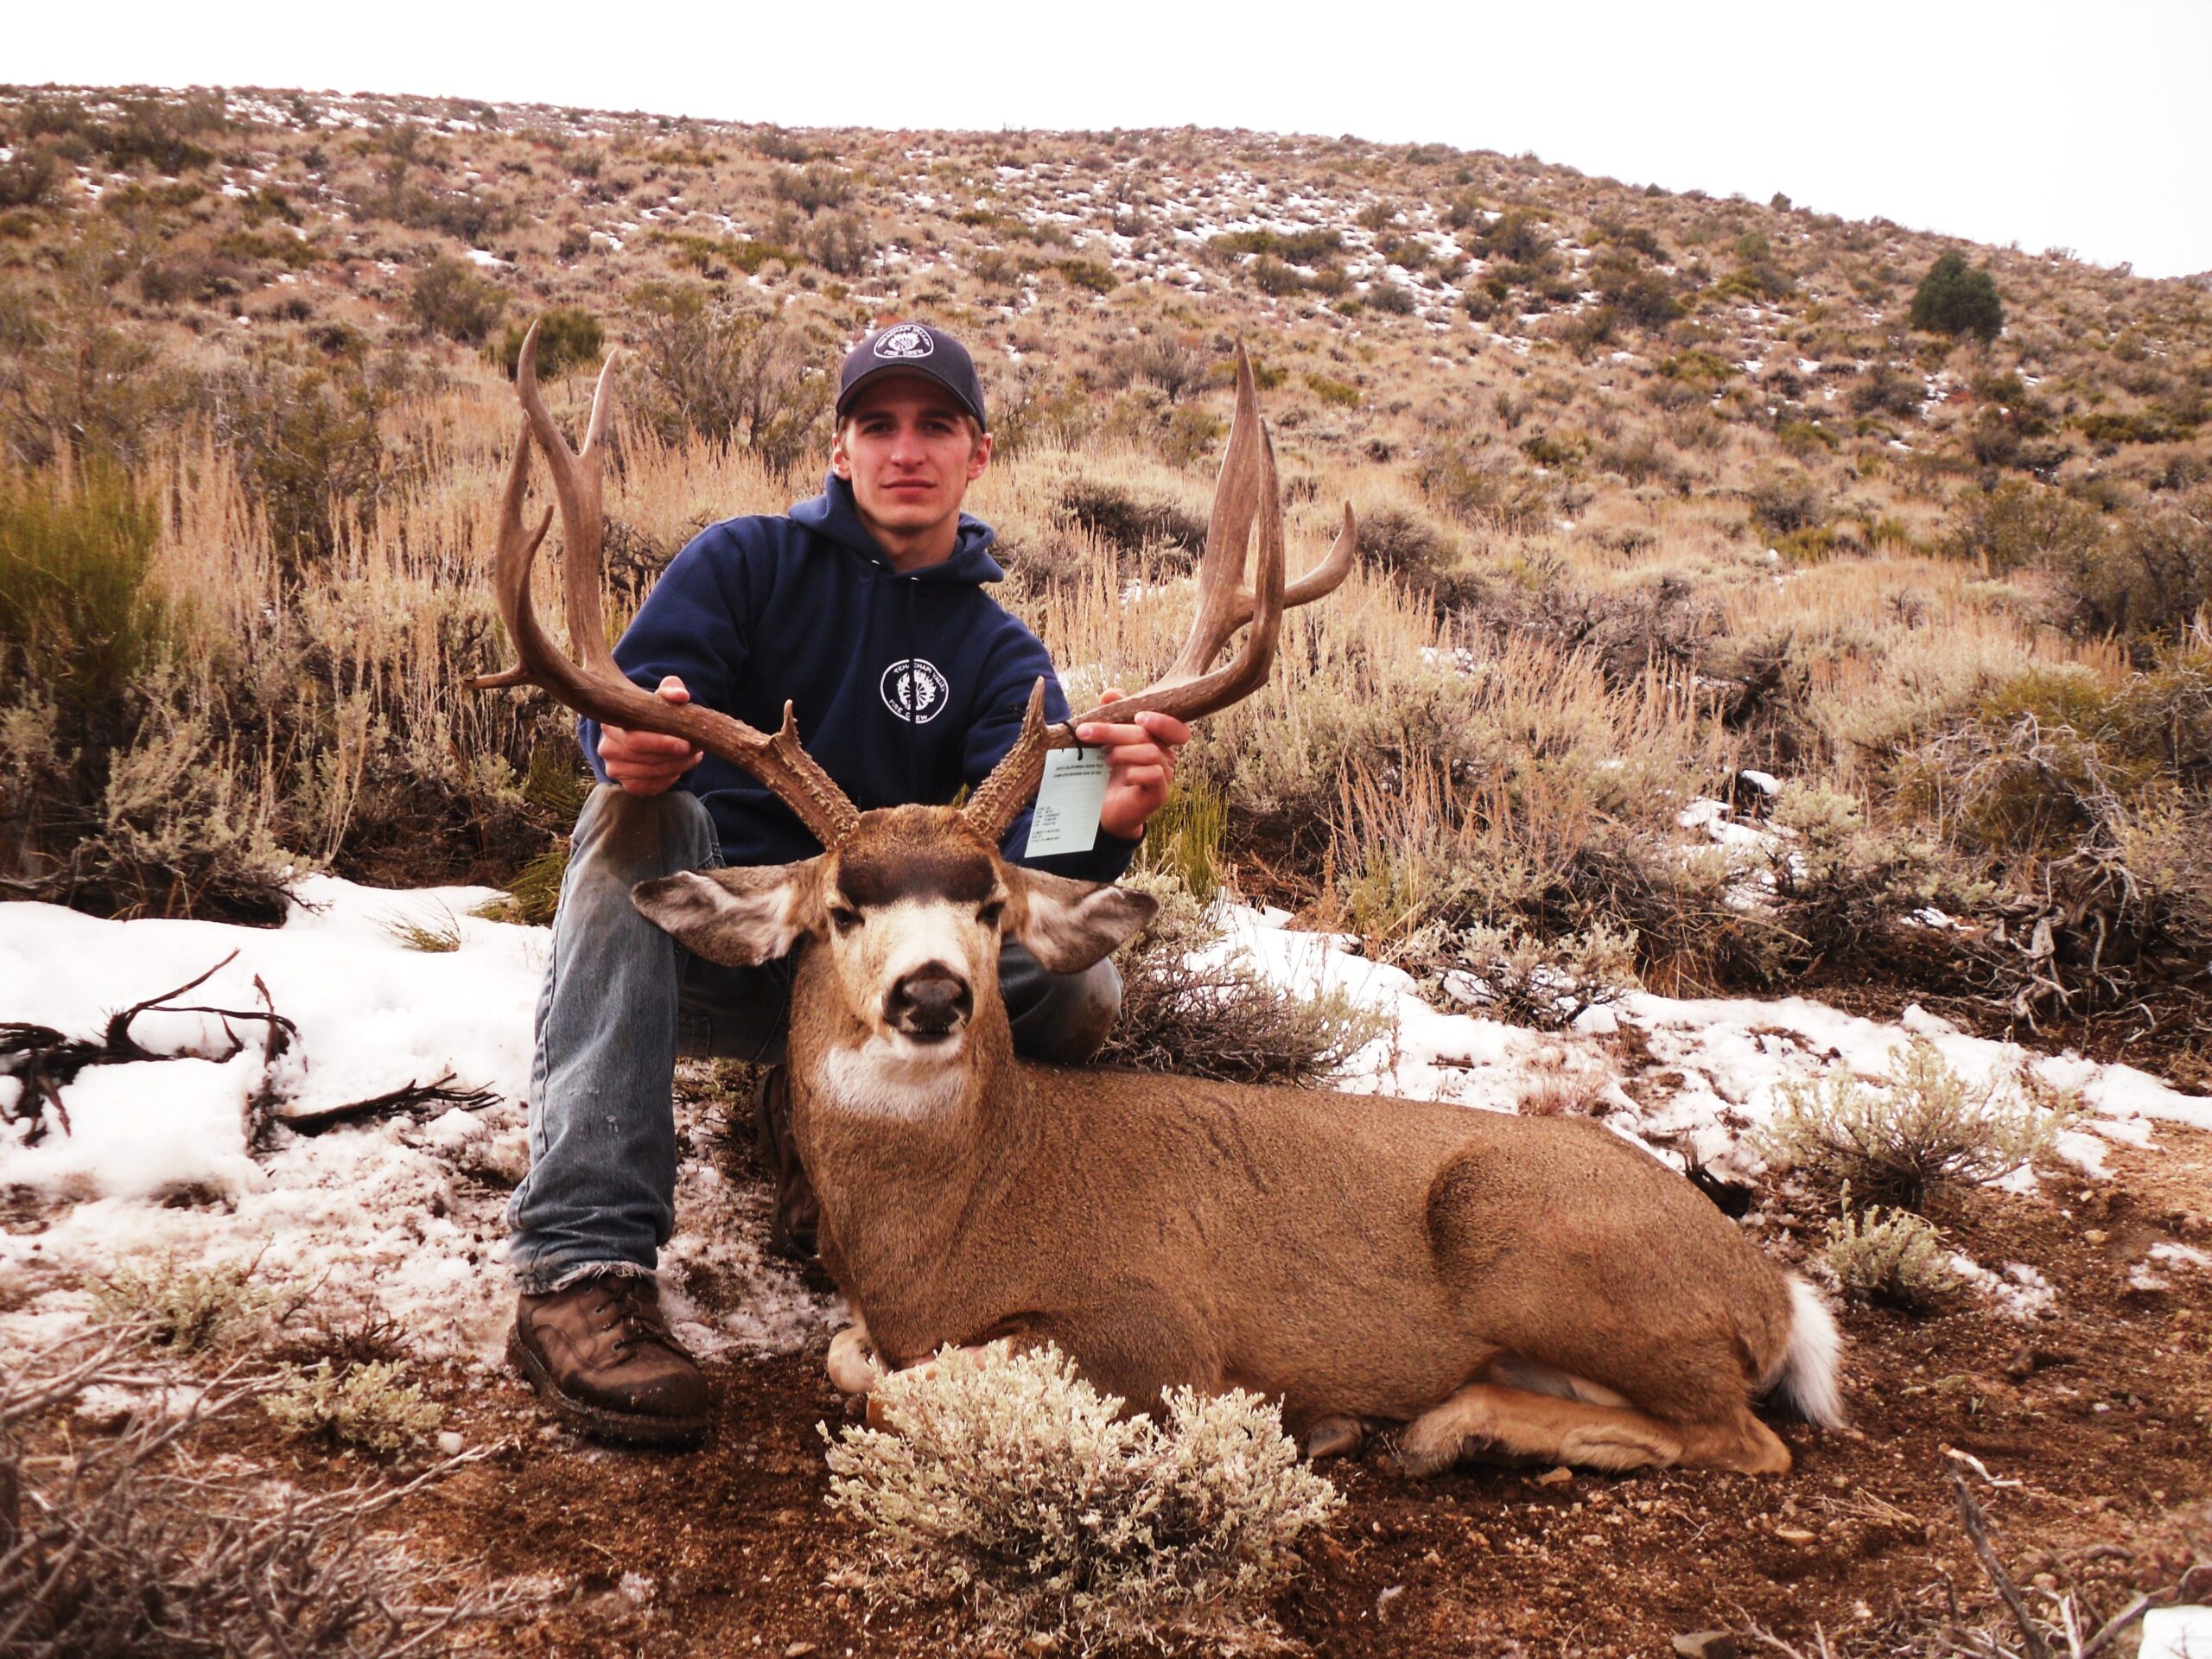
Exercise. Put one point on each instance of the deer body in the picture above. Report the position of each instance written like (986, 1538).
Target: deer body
(1351, 1257)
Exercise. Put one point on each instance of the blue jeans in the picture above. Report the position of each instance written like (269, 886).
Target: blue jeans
(622, 1000)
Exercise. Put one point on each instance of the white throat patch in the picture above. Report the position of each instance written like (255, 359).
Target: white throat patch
(891, 1077)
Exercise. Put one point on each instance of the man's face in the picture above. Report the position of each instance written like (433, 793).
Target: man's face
(910, 453)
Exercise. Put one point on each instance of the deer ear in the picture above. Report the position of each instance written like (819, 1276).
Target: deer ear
(1068, 924)
(740, 917)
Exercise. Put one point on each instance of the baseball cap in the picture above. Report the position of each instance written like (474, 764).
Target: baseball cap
(912, 348)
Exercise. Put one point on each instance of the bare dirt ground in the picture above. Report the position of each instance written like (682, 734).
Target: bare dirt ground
(2102, 1411)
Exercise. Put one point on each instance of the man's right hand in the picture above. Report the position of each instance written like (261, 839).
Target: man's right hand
(648, 763)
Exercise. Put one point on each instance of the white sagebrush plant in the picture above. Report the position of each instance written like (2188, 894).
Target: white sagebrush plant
(1006, 1481)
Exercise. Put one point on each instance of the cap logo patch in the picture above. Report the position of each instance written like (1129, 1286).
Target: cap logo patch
(915, 690)
(908, 339)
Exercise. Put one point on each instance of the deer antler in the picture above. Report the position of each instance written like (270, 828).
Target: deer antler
(596, 688)
(1249, 492)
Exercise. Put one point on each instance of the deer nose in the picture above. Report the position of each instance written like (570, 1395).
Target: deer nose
(928, 1001)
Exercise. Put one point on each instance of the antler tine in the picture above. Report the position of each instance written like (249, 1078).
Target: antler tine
(1236, 503)
(999, 799)
(578, 477)
(1249, 489)
(597, 689)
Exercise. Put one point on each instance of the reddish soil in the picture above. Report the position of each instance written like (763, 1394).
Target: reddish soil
(2103, 1414)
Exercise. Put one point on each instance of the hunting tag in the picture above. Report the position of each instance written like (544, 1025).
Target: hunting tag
(1068, 803)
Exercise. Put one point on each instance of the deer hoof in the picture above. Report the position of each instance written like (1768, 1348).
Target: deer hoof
(1334, 1437)
(854, 1366)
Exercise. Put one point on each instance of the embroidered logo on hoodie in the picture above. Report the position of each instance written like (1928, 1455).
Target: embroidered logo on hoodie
(915, 689)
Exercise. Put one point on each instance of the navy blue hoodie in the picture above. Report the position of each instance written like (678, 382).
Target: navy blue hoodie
(904, 687)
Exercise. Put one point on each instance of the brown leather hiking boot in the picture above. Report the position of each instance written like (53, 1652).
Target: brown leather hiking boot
(600, 1354)
(797, 1215)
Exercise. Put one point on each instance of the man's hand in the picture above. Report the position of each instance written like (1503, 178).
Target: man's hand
(1140, 764)
(648, 763)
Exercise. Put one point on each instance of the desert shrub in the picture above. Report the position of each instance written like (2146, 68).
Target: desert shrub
(447, 297)
(1887, 388)
(1517, 238)
(1133, 520)
(1394, 298)
(188, 1310)
(843, 242)
(1342, 393)
(2019, 524)
(1953, 299)
(727, 372)
(1917, 1129)
(157, 1541)
(369, 1406)
(1478, 487)
(1176, 365)
(568, 337)
(1636, 292)
(1190, 1006)
(1785, 498)
(1839, 884)
(1274, 277)
(1094, 276)
(1413, 547)
(2152, 576)
(813, 187)
(1007, 1483)
(311, 443)
(75, 603)
(1892, 1258)
(74, 380)
(1542, 984)
(30, 177)
(1292, 247)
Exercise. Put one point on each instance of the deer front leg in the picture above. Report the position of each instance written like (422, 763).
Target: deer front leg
(1137, 1345)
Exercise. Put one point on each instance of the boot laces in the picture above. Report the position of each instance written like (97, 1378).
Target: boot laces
(634, 1306)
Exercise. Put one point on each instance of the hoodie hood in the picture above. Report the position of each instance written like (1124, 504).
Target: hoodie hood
(835, 514)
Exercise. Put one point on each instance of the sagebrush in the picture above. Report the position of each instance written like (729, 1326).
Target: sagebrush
(1006, 1485)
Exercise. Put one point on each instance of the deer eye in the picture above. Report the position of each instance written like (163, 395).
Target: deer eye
(992, 913)
(844, 917)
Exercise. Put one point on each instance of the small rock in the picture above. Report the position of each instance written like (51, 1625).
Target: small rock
(1556, 1477)
(1705, 1644)
(1793, 1534)
(798, 1650)
(450, 1443)
(1383, 1597)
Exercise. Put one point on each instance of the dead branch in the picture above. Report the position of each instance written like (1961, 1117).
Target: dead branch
(44, 1062)
(409, 1097)
(1976, 1524)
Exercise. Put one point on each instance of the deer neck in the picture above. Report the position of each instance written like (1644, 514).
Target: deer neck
(899, 1149)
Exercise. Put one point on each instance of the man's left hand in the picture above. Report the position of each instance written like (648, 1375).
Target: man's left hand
(1140, 764)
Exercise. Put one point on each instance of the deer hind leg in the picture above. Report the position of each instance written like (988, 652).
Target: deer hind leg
(1485, 1418)
(1742, 1443)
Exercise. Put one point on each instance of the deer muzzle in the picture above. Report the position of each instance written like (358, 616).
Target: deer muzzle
(928, 1003)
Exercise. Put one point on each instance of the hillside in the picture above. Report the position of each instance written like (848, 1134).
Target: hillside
(1657, 488)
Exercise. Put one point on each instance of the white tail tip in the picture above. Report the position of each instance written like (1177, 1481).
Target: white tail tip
(1806, 1379)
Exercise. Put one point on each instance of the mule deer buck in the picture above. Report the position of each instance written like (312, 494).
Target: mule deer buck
(1515, 1287)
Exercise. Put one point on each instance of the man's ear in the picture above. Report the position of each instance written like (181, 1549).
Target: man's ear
(1070, 924)
(740, 917)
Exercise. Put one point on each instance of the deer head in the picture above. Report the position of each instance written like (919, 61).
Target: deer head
(908, 904)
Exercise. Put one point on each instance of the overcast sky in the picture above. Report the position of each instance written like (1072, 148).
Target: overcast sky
(2080, 125)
